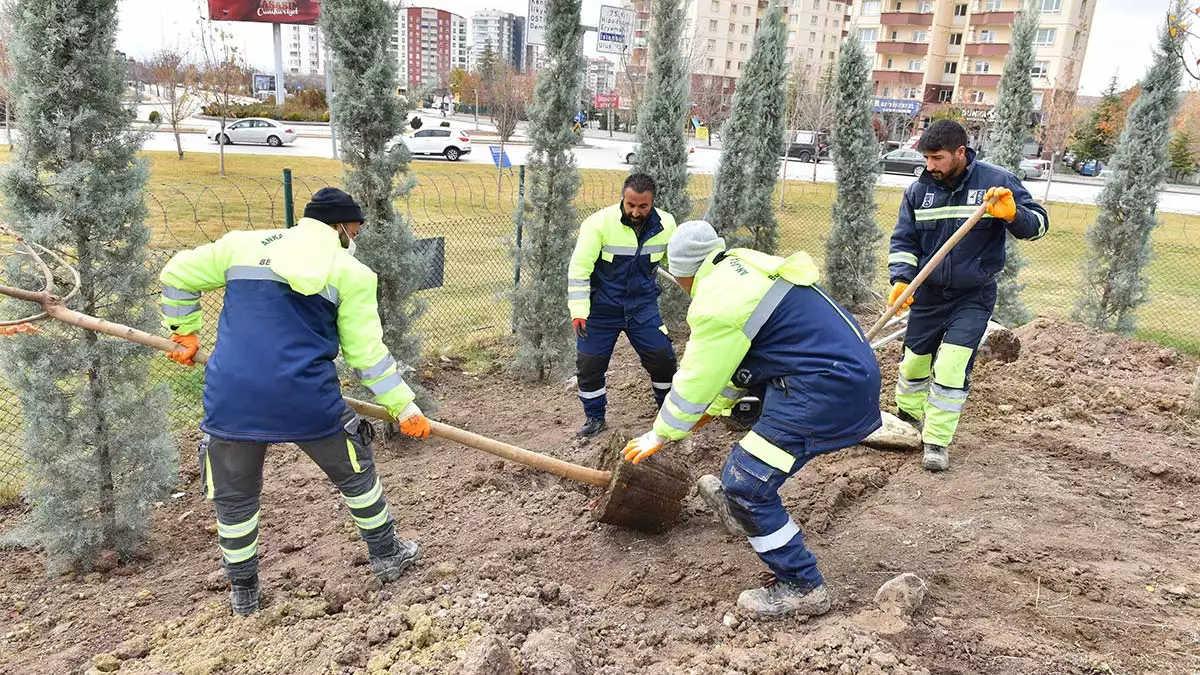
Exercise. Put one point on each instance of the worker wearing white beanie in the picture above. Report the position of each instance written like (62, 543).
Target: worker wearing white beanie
(692, 242)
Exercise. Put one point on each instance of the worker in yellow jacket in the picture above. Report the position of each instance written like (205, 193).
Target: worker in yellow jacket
(292, 299)
(761, 324)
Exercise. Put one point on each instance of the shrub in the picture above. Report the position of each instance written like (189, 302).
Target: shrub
(155, 118)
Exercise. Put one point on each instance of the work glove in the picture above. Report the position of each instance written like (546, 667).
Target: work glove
(897, 291)
(1005, 207)
(413, 422)
(642, 447)
(580, 328)
(704, 419)
(190, 344)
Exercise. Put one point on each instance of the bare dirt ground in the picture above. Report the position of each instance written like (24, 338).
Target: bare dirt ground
(1064, 539)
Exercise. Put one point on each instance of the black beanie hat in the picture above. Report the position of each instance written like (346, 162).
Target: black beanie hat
(332, 206)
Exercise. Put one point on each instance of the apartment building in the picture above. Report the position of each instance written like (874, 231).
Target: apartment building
(428, 44)
(601, 76)
(504, 31)
(951, 52)
(719, 39)
(304, 53)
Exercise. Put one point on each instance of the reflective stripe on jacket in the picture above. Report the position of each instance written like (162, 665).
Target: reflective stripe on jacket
(292, 298)
(612, 269)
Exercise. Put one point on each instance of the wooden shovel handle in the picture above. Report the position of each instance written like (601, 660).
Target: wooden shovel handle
(529, 458)
(929, 267)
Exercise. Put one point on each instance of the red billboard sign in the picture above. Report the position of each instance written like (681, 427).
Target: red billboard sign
(605, 101)
(265, 11)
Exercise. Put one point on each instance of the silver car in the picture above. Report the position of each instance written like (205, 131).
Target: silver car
(253, 130)
(1033, 168)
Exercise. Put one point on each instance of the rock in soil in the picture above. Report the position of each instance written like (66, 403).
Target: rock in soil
(106, 561)
(487, 655)
(548, 652)
(902, 595)
(106, 663)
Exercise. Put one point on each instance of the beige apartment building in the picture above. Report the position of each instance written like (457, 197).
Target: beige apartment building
(719, 38)
(951, 52)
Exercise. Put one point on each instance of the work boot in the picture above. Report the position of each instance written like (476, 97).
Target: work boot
(389, 568)
(713, 494)
(592, 426)
(936, 458)
(905, 417)
(243, 596)
(780, 598)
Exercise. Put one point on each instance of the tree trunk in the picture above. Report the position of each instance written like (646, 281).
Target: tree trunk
(178, 140)
(221, 144)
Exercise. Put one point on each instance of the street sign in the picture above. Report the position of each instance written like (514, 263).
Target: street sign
(615, 31)
(264, 82)
(606, 101)
(499, 157)
(903, 106)
(535, 25)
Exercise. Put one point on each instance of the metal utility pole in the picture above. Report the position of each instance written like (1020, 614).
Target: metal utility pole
(476, 108)
(329, 99)
(277, 31)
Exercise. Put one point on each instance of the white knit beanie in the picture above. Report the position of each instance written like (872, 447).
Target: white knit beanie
(689, 246)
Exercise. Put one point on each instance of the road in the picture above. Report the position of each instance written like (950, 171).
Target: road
(603, 153)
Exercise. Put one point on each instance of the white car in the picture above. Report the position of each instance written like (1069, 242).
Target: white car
(628, 153)
(253, 130)
(1033, 168)
(445, 141)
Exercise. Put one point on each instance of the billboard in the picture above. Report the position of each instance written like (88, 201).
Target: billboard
(604, 101)
(903, 106)
(615, 30)
(264, 82)
(265, 11)
(535, 26)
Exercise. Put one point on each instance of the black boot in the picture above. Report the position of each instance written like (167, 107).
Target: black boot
(243, 596)
(905, 417)
(389, 568)
(592, 426)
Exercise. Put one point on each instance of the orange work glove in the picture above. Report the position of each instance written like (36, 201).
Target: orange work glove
(897, 290)
(704, 419)
(1005, 207)
(20, 328)
(413, 422)
(642, 447)
(580, 328)
(190, 344)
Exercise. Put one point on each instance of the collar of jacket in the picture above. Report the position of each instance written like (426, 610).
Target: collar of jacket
(706, 268)
(321, 231)
(926, 179)
(651, 220)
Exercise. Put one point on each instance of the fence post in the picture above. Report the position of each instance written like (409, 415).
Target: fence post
(520, 232)
(289, 218)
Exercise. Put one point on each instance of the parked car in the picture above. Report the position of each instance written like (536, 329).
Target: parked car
(253, 130)
(903, 161)
(1033, 168)
(808, 146)
(628, 153)
(448, 142)
(1091, 167)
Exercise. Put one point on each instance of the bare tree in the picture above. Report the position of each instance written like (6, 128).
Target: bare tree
(176, 80)
(1058, 120)
(510, 94)
(223, 75)
(810, 107)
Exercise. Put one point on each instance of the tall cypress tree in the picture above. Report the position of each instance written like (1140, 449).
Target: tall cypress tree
(97, 449)
(663, 149)
(1115, 282)
(741, 208)
(367, 114)
(549, 219)
(851, 256)
(1014, 110)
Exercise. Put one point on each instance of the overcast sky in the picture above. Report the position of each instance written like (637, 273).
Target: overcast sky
(1121, 40)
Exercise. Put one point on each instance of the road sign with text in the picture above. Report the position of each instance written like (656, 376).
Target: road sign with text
(615, 30)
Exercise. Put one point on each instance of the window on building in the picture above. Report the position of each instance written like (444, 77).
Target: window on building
(977, 97)
(983, 66)
(916, 65)
(1038, 98)
(813, 20)
(745, 29)
(1040, 69)
(899, 6)
(960, 10)
(1044, 37)
(925, 7)
(911, 93)
(733, 10)
(712, 25)
(739, 66)
(870, 8)
(835, 23)
(712, 45)
(728, 64)
(987, 36)
(794, 19)
(945, 95)
(817, 4)
(895, 36)
(810, 53)
(812, 37)
(991, 5)
(1075, 44)
(791, 36)
(956, 38)
(746, 11)
(733, 26)
(867, 36)
(950, 68)
(728, 46)
(742, 47)
(1052, 6)
(709, 64)
(716, 6)
(887, 64)
(885, 92)
(920, 36)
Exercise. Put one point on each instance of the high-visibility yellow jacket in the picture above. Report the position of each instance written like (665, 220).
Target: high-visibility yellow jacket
(612, 268)
(292, 298)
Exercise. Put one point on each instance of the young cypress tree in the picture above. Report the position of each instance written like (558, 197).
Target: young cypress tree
(851, 256)
(1014, 109)
(368, 114)
(1115, 282)
(97, 449)
(752, 140)
(663, 151)
(549, 219)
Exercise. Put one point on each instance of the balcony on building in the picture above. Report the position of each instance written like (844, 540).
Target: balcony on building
(994, 18)
(906, 18)
(985, 49)
(979, 79)
(898, 47)
(898, 77)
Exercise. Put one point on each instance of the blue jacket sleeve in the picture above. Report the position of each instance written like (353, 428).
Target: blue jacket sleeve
(1032, 221)
(905, 251)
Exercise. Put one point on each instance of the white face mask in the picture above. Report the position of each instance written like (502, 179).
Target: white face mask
(351, 247)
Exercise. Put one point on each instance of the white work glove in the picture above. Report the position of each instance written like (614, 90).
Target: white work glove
(643, 446)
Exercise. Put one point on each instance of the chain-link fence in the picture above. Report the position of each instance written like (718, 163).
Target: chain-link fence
(471, 212)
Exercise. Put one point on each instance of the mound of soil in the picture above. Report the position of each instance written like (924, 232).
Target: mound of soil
(1062, 540)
